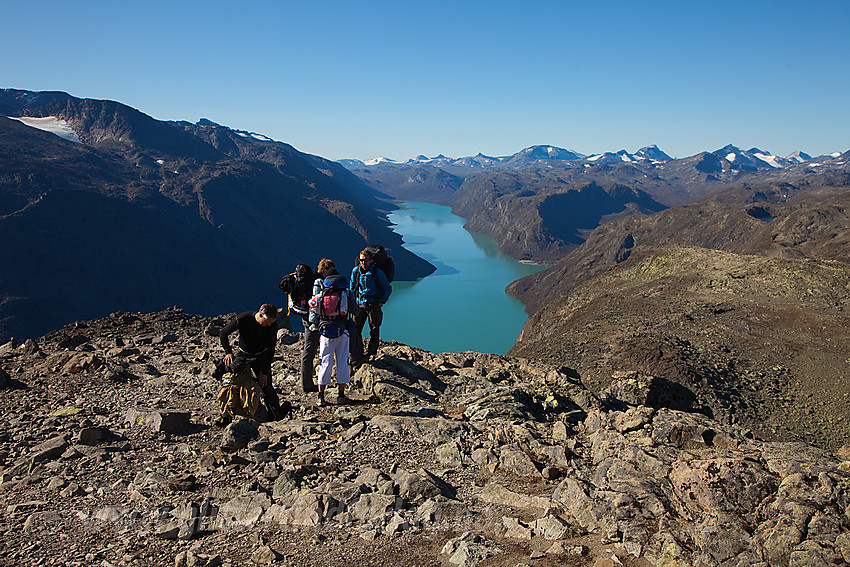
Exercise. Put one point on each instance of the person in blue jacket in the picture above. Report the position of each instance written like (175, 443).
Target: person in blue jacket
(371, 288)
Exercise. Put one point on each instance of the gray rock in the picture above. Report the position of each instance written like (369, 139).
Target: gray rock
(183, 482)
(239, 434)
(517, 461)
(355, 430)
(397, 523)
(553, 528)
(73, 489)
(244, 510)
(469, 550)
(515, 529)
(485, 458)
(37, 520)
(112, 513)
(168, 530)
(421, 485)
(432, 430)
(372, 505)
(308, 509)
(92, 435)
(449, 454)
(190, 558)
(265, 555)
(48, 450)
(495, 493)
(159, 421)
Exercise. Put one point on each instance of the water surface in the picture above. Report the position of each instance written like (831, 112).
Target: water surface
(463, 305)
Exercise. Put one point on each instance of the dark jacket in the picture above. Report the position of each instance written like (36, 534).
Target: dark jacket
(256, 341)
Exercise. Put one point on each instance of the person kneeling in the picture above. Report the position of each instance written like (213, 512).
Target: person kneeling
(240, 395)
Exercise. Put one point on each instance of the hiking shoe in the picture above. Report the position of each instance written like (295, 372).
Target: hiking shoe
(321, 403)
(222, 421)
(342, 400)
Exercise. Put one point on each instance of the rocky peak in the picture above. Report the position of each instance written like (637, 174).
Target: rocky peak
(107, 455)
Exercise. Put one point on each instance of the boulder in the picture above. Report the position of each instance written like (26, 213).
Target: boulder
(238, 434)
(244, 510)
(517, 461)
(469, 550)
(159, 421)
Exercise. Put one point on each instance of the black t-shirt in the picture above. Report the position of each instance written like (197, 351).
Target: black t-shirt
(255, 340)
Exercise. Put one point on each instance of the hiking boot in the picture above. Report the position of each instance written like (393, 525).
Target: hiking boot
(321, 403)
(342, 400)
(222, 421)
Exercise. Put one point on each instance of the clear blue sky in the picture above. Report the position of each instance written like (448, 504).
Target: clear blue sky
(397, 79)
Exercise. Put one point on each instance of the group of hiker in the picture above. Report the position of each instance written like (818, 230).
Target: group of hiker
(334, 311)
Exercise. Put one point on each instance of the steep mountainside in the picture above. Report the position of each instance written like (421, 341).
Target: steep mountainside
(143, 214)
(539, 217)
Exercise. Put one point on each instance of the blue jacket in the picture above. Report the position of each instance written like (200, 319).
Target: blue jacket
(370, 287)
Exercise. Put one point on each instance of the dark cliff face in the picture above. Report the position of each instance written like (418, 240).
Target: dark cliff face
(539, 219)
(146, 214)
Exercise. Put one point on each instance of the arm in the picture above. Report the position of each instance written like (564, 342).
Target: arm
(268, 355)
(224, 336)
(353, 282)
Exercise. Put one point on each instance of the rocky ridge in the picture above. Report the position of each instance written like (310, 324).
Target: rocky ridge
(108, 458)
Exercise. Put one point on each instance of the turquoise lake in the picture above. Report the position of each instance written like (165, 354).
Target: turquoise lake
(463, 305)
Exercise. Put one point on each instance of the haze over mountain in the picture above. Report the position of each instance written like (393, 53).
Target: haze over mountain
(124, 212)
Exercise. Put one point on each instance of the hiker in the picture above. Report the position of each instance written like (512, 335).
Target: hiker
(257, 342)
(329, 309)
(299, 286)
(371, 289)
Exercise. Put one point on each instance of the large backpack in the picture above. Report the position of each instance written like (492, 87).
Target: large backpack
(332, 307)
(382, 260)
(299, 286)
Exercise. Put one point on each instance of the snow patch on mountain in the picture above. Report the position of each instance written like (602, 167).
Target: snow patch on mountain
(772, 160)
(378, 160)
(51, 124)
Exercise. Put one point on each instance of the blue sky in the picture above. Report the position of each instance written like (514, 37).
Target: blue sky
(346, 79)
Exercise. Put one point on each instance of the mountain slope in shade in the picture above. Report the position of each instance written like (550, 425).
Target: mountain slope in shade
(143, 214)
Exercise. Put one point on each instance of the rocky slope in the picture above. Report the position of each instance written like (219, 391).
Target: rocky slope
(140, 214)
(740, 297)
(108, 458)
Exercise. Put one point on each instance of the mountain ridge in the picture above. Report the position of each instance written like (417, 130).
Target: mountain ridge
(216, 217)
(554, 155)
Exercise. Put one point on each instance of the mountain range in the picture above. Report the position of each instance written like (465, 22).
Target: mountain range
(120, 211)
(514, 199)
(553, 156)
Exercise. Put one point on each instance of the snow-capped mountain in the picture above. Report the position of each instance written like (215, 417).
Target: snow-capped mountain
(652, 153)
(731, 158)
